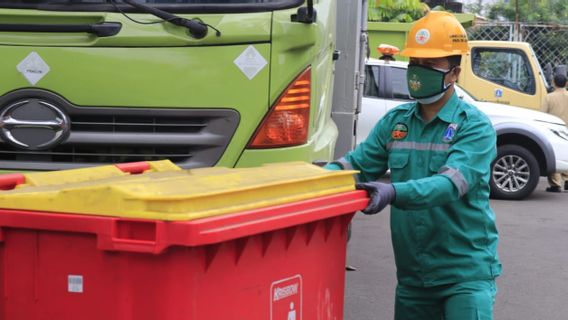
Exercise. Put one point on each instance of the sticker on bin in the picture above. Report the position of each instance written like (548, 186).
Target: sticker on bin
(75, 283)
(286, 299)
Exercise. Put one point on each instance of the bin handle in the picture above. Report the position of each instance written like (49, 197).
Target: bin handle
(134, 167)
(10, 180)
(133, 235)
(132, 246)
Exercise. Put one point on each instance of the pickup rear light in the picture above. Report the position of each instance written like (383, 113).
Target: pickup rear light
(288, 120)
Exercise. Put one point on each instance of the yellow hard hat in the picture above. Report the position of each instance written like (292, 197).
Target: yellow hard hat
(437, 34)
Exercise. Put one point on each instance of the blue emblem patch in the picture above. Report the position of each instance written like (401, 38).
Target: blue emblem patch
(450, 132)
(498, 93)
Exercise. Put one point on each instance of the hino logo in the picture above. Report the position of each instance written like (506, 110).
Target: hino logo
(33, 124)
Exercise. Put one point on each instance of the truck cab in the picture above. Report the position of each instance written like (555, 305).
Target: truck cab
(504, 72)
(233, 83)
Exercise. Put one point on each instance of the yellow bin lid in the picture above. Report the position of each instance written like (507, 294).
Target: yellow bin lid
(165, 192)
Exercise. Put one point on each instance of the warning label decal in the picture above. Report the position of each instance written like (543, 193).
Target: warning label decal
(286, 299)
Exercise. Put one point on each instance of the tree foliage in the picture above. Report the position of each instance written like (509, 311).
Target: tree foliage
(396, 10)
(476, 7)
(539, 11)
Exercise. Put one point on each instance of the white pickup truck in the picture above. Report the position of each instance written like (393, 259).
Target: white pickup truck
(530, 144)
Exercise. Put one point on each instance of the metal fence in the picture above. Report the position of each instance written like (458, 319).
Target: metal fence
(550, 42)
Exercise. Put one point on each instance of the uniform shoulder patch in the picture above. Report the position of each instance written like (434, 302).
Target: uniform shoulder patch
(450, 132)
(400, 131)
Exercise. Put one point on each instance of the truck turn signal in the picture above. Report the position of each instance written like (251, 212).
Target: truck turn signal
(288, 121)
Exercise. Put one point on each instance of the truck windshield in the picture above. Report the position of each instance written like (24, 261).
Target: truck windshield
(169, 5)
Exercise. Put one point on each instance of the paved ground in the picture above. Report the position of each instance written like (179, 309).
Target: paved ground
(533, 250)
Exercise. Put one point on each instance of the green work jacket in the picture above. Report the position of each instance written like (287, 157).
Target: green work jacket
(443, 229)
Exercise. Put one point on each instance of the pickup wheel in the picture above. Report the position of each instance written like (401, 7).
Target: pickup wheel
(514, 173)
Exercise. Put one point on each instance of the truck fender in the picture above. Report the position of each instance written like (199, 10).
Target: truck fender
(537, 137)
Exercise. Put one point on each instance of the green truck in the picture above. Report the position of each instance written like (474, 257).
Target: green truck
(232, 83)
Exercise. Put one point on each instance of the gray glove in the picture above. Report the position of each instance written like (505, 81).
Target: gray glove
(381, 194)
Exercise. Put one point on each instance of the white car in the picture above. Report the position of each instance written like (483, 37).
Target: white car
(530, 144)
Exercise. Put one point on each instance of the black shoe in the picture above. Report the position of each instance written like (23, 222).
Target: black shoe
(565, 185)
(553, 189)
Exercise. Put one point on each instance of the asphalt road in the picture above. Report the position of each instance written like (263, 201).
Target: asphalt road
(533, 250)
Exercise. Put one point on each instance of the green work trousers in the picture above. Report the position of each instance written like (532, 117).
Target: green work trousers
(472, 300)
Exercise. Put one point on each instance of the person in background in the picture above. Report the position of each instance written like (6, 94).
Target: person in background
(439, 150)
(556, 103)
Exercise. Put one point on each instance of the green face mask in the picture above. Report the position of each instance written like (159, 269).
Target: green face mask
(426, 85)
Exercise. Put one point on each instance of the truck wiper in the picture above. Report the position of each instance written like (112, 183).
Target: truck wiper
(104, 29)
(196, 28)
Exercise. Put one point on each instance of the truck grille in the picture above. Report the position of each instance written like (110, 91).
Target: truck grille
(105, 135)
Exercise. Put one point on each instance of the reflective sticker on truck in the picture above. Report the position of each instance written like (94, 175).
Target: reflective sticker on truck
(251, 62)
(33, 68)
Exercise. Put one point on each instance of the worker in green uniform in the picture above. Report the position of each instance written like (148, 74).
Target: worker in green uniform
(439, 151)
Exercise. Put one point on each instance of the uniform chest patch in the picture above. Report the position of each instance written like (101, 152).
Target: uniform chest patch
(450, 132)
(400, 131)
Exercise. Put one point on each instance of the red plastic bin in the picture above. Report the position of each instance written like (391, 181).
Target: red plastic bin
(283, 262)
